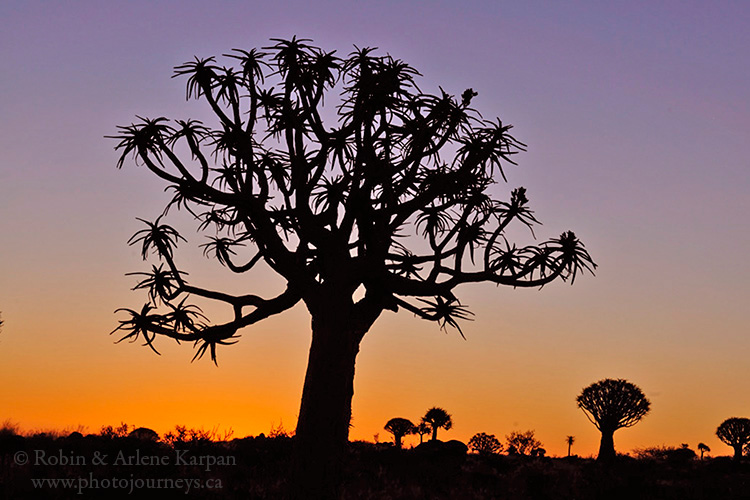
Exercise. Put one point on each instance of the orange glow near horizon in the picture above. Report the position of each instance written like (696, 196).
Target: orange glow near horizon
(485, 382)
(636, 116)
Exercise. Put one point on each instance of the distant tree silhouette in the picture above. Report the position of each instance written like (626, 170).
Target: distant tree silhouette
(120, 431)
(370, 203)
(612, 404)
(570, 440)
(437, 418)
(703, 448)
(522, 443)
(735, 432)
(399, 427)
(422, 429)
(485, 444)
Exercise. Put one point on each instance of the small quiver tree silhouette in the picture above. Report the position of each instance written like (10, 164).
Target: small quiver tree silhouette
(522, 443)
(422, 429)
(485, 444)
(703, 448)
(437, 418)
(399, 427)
(570, 440)
(612, 404)
(735, 432)
(369, 201)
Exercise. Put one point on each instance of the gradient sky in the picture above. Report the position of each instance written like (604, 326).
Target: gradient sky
(637, 119)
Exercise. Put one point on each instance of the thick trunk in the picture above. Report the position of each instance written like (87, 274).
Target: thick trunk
(607, 446)
(737, 451)
(434, 432)
(398, 441)
(325, 413)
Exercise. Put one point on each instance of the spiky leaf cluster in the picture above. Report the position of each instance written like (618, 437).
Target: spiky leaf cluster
(611, 404)
(336, 204)
(734, 431)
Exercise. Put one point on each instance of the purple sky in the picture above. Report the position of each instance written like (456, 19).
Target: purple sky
(637, 119)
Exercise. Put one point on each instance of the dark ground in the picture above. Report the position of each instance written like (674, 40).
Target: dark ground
(256, 468)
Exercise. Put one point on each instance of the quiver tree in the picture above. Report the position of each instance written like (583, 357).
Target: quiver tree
(612, 404)
(735, 432)
(422, 429)
(437, 418)
(703, 448)
(399, 427)
(332, 208)
(570, 440)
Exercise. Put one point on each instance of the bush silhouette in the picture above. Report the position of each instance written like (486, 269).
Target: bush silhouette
(144, 434)
(326, 208)
(735, 432)
(485, 444)
(612, 404)
(522, 443)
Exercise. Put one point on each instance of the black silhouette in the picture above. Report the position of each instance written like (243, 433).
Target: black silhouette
(485, 444)
(327, 207)
(611, 404)
(144, 434)
(735, 432)
(570, 440)
(437, 418)
(399, 427)
(422, 429)
(523, 443)
(703, 448)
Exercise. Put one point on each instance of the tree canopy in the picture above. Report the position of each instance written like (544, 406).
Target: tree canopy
(613, 404)
(331, 206)
(735, 432)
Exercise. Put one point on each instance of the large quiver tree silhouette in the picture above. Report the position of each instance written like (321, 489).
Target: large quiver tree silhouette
(734, 432)
(612, 404)
(329, 207)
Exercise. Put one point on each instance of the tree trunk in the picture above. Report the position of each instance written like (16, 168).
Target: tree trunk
(569, 445)
(737, 451)
(607, 446)
(434, 433)
(322, 434)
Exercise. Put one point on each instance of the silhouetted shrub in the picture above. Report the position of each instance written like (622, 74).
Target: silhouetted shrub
(485, 444)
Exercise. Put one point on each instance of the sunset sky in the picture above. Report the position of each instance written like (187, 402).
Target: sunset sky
(637, 118)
